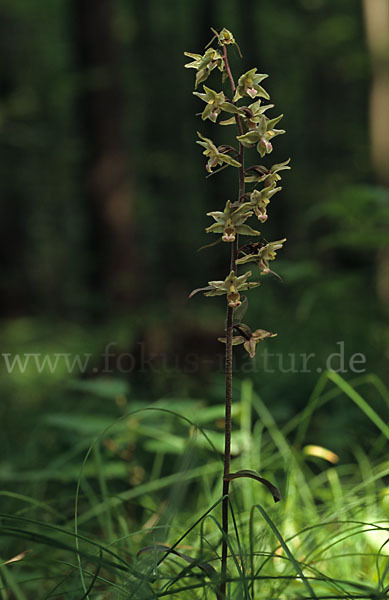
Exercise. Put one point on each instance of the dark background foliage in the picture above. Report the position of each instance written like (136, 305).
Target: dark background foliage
(104, 199)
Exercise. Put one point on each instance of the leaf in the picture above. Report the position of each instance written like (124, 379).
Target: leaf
(243, 330)
(288, 553)
(218, 241)
(359, 401)
(253, 475)
(205, 567)
(320, 452)
(16, 558)
(203, 289)
(102, 386)
(240, 312)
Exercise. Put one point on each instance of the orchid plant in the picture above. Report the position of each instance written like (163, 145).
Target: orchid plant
(253, 130)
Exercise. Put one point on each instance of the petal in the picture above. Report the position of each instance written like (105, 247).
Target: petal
(247, 230)
(229, 160)
(249, 346)
(249, 139)
(261, 334)
(234, 299)
(215, 228)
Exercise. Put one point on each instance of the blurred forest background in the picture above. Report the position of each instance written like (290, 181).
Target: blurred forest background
(104, 199)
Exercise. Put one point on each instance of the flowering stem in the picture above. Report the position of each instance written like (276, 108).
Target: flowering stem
(227, 446)
(228, 70)
(254, 128)
(228, 358)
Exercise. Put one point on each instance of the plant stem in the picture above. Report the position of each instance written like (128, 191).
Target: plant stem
(227, 445)
(228, 358)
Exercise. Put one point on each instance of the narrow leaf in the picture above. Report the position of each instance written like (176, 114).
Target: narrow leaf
(203, 289)
(288, 553)
(320, 452)
(17, 558)
(218, 241)
(253, 475)
(205, 567)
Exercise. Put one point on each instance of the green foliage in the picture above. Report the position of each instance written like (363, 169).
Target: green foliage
(137, 488)
(322, 86)
(157, 538)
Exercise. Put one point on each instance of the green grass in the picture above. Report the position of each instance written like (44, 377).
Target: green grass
(131, 509)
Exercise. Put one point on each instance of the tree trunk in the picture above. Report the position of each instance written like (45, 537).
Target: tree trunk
(107, 182)
(377, 26)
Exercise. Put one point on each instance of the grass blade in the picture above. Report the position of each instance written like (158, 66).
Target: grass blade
(286, 550)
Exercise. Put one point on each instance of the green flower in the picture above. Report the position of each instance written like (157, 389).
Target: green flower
(248, 85)
(248, 338)
(216, 102)
(230, 222)
(225, 37)
(204, 64)
(262, 135)
(256, 110)
(215, 156)
(259, 173)
(231, 286)
(251, 114)
(262, 254)
(259, 200)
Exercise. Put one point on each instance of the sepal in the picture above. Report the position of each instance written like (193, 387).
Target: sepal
(248, 85)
